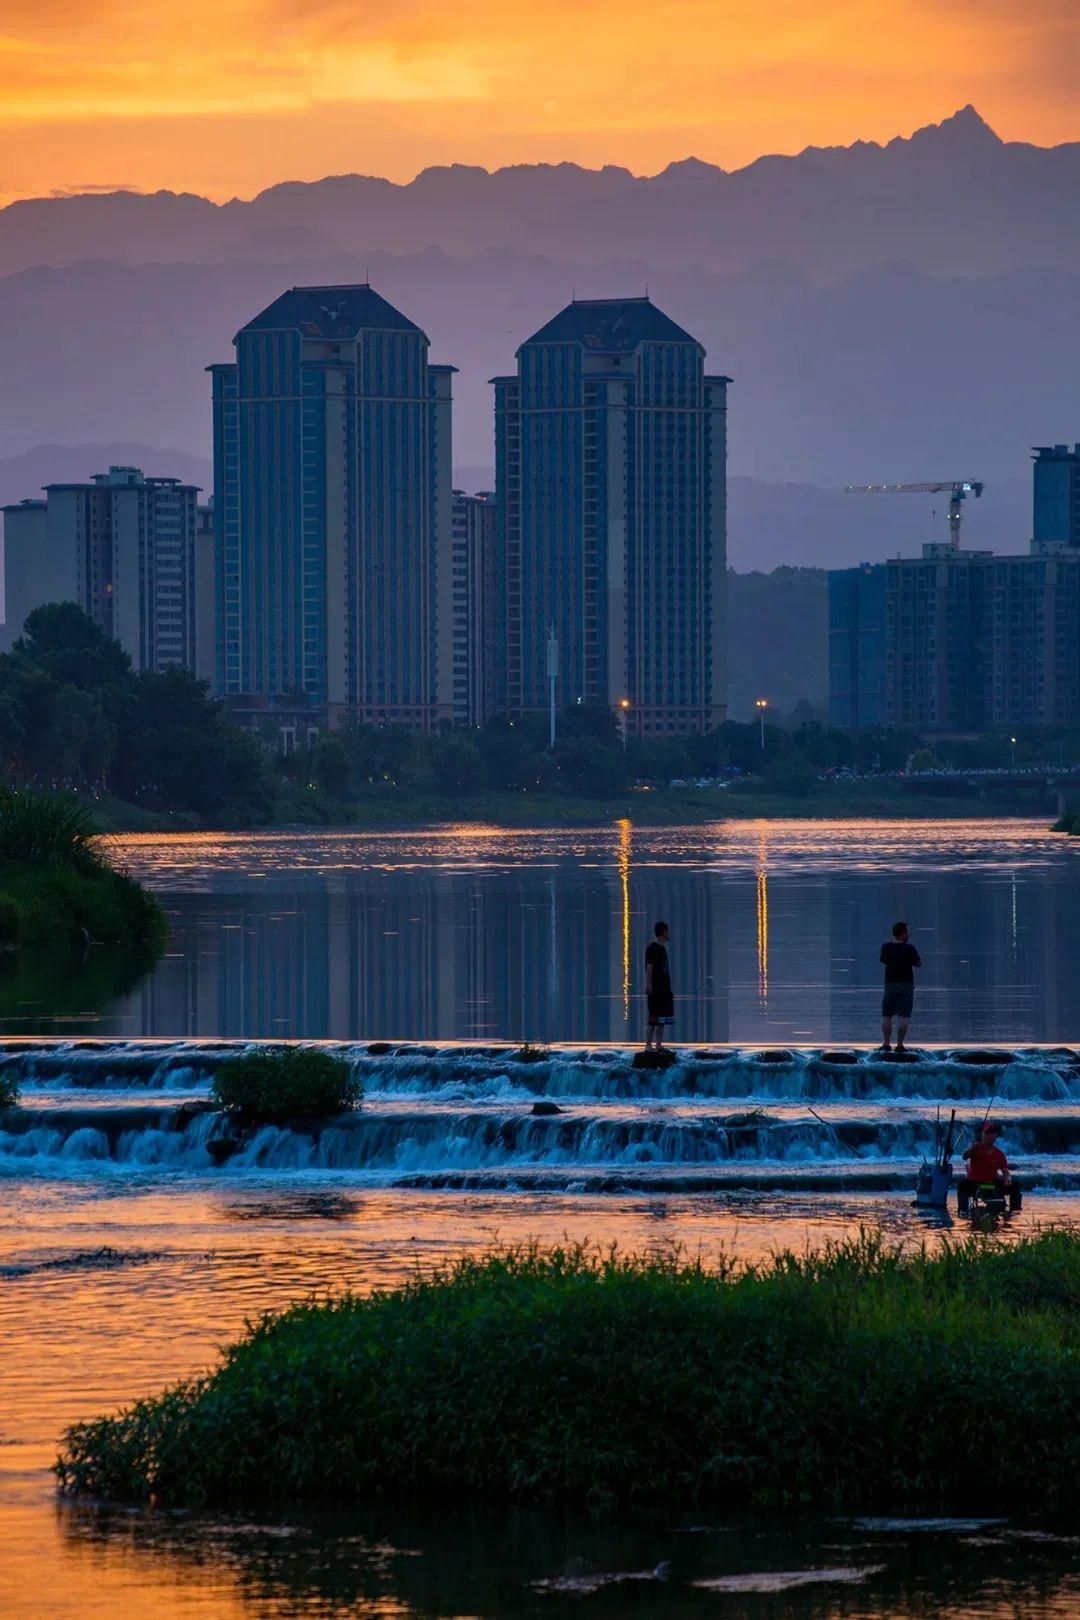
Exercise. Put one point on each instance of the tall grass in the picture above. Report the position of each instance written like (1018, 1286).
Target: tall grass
(857, 1377)
(39, 828)
(57, 884)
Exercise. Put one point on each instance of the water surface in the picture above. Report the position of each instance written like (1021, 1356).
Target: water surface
(127, 1259)
(483, 932)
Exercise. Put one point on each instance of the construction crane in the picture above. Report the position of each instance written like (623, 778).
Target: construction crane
(957, 489)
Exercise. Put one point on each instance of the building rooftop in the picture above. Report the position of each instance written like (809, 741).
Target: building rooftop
(331, 312)
(612, 325)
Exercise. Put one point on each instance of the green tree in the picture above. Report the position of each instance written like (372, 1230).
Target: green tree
(331, 766)
(456, 763)
(591, 768)
(790, 772)
(64, 642)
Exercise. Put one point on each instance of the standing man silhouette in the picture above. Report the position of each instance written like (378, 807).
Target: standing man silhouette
(658, 992)
(900, 958)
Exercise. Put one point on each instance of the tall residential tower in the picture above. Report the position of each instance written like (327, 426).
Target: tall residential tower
(332, 513)
(124, 548)
(610, 444)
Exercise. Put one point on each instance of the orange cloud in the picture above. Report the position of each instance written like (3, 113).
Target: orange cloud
(226, 96)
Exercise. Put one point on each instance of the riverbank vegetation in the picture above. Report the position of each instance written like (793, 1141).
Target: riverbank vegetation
(152, 751)
(73, 712)
(275, 1083)
(58, 887)
(853, 1378)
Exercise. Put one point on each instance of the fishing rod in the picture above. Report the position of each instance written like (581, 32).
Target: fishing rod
(990, 1104)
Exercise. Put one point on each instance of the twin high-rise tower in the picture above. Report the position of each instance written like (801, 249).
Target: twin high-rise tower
(341, 575)
(610, 452)
(332, 510)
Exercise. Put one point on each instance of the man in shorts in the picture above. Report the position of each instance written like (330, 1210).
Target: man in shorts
(900, 959)
(658, 992)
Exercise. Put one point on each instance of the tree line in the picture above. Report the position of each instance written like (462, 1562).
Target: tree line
(74, 713)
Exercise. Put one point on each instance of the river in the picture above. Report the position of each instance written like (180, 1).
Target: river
(127, 1258)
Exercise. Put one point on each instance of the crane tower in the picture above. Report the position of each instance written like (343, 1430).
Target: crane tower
(957, 489)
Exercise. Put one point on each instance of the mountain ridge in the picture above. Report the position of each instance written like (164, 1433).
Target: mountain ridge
(953, 195)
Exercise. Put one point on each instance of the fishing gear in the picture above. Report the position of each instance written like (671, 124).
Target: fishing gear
(934, 1180)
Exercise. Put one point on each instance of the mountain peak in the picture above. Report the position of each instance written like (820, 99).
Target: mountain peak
(964, 128)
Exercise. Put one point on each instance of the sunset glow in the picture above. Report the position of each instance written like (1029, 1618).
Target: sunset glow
(225, 99)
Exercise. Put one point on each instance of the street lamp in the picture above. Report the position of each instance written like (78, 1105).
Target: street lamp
(624, 715)
(1012, 746)
(761, 705)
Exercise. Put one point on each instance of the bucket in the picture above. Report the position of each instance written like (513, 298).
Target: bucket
(932, 1187)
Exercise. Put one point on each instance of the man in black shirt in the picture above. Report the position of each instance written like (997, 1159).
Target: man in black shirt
(658, 993)
(900, 959)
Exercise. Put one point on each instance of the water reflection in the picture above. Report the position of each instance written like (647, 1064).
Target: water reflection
(485, 932)
(449, 1562)
(43, 992)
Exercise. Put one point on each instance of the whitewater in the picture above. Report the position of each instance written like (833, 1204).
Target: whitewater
(564, 1119)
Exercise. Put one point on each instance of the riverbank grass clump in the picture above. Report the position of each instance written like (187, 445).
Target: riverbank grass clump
(859, 1377)
(58, 886)
(276, 1083)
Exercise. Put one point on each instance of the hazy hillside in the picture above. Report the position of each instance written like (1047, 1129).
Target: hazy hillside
(22, 476)
(778, 644)
(890, 375)
(951, 198)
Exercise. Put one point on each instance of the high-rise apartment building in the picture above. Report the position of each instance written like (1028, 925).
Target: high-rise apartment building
(205, 596)
(123, 547)
(1056, 502)
(473, 580)
(964, 640)
(610, 443)
(857, 598)
(332, 513)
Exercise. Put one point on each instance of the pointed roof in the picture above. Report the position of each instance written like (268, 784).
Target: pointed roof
(612, 325)
(331, 312)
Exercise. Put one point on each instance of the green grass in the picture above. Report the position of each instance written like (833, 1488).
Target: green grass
(58, 886)
(285, 1082)
(854, 1378)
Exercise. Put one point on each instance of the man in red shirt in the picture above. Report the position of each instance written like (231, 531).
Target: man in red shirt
(987, 1165)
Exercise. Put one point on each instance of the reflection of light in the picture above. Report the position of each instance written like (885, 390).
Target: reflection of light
(623, 858)
(763, 922)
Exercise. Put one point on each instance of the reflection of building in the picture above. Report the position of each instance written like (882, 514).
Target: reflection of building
(611, 489)
(332, 507)
(473, 594)
(123, 547)
(537, 954)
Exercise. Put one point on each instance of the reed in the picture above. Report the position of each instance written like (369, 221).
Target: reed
(58, 886)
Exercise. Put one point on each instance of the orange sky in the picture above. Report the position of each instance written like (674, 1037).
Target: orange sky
(226, 96)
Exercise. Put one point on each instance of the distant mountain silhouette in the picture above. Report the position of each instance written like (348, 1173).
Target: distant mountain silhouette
(23, 476)
(951, 198)
(897, 312)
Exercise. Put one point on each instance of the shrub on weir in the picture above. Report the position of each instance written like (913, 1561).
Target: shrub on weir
(275, 1083)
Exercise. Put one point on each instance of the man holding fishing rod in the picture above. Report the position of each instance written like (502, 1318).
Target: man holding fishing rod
(987, 1166)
